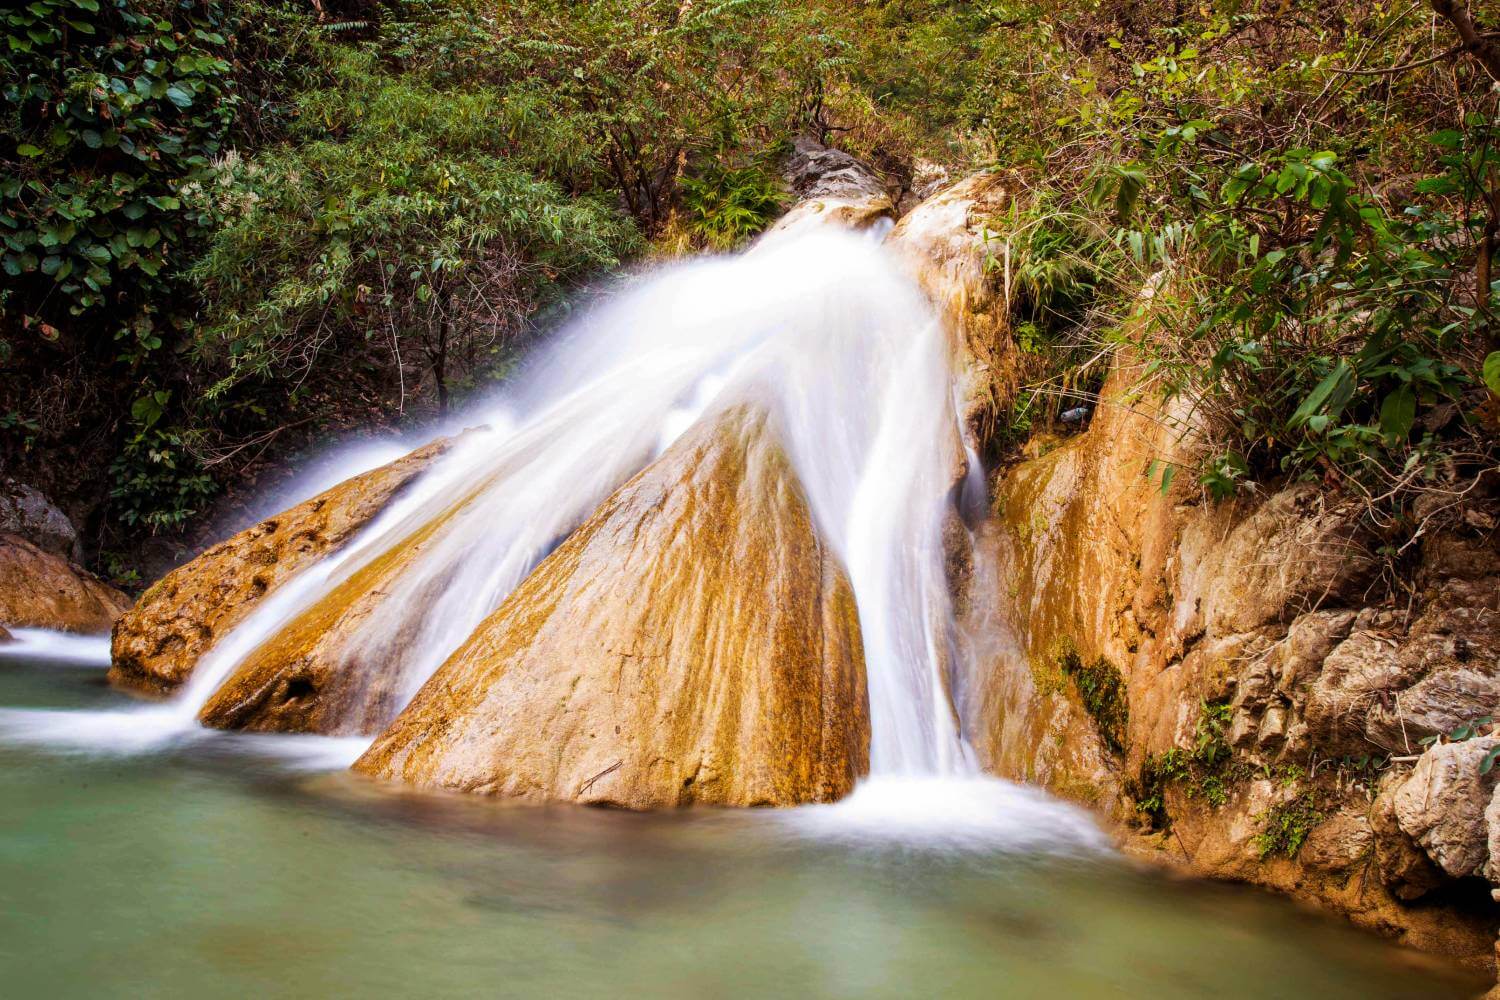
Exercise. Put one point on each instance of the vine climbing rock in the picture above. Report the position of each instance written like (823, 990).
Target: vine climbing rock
(159, 641)
(41, 590)
(695, 641)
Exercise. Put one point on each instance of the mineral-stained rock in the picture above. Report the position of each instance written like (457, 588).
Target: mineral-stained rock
(5, 636)
(313, 675)
(158, 642)
(693, 642)
(42, 590)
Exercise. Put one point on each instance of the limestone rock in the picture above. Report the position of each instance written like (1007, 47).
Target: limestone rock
(1390, 687)
(945, 246)
(1294, 553)
(817, 171)
(693, 642)
(1442, 806)
(832, 187)
(42, 590)
(26, 512)
(158, 642)
(1404, 866)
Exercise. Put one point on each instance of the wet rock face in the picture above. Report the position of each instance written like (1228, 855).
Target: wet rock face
(159, 641)
(41, 590)
(693, 642)
(24, 511)
(944, 244)
(314, 674)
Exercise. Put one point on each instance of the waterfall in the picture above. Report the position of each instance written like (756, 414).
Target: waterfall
(825, 332)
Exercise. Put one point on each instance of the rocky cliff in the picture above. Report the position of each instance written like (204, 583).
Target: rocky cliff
(1261, 690)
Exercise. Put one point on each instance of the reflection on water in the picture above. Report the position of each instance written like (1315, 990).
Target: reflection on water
(219, 868)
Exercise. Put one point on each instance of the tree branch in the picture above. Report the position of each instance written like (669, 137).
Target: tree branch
(1477, 42)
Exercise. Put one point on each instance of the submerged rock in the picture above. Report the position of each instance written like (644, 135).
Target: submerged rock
(159, 641)
(42, 590)
(693, 642)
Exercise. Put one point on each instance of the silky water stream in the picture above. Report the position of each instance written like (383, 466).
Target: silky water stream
(142, 855)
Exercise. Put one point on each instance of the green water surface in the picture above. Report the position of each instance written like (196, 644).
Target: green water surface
(217, 870)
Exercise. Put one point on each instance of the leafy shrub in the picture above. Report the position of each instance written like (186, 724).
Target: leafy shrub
(410, 226)
(1287, 825)
(724, 205)
(1102, 691)
(111, 106)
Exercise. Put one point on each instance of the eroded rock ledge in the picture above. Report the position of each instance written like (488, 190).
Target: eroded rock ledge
(693, 642)
(159, 641)
(1225, 678)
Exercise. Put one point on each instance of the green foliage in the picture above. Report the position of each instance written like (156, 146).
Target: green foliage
(1287, 825)
(723, 206)
(157, 482)
(1047, 261)
(1102, 691)
(111, 107)
(414, 221)
(1206, 769)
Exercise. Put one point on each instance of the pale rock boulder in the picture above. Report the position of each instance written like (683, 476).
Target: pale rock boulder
(832, 188)
(949, 246)
(695, 641)
(1442, 808)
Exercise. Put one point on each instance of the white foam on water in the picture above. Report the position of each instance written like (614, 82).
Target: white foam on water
(973, 812)
(63, 647)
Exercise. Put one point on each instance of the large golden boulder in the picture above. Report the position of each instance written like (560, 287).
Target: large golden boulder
(693, 642)
(159, 641)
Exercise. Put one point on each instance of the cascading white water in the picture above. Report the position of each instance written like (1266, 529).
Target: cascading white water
(825, 331)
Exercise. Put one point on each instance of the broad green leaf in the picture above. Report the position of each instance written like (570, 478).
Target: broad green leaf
(1397, 412)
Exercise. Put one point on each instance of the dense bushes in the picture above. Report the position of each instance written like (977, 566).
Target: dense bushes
(1317, 187)
(231, 225)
